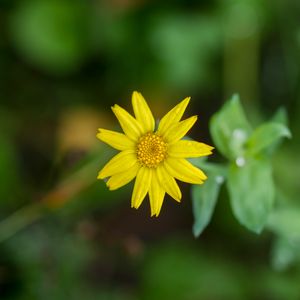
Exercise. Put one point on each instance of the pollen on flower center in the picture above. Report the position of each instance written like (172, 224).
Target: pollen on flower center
(151, 150)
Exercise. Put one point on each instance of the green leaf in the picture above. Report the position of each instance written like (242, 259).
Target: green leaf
(280, 116)
(284, 253)
(266, 136)
(286, 223)
(230, 129)
(251, 190)
(205, 197)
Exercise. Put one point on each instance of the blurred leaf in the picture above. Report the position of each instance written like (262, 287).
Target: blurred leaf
(185, 46)
(286, 223)
(286, 166)
(266, 136)
(251, 191)
(51, 34)
(284, 253)
(205, 197)
(196, 274)
(230, 129)
(51, 261)
(280, 116)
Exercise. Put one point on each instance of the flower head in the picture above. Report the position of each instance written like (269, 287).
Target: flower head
(154, 157)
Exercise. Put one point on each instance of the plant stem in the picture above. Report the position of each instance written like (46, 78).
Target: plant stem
(19, 219)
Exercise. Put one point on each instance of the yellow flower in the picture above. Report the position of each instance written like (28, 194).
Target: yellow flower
(154, 157)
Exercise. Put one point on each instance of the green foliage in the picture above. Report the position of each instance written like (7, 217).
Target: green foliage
(51, 34)
(43, 258)
(205, 197)
(162, 282)
(284, 253)
(280, 116)
(185, 46)
(249, 182)
(251, 192)
(265, 136)
(230, 129)
(210, 274)
(285, 223)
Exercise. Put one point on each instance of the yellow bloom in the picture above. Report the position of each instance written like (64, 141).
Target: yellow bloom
(154, 157)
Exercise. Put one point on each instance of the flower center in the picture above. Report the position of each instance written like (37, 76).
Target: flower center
(151, 150)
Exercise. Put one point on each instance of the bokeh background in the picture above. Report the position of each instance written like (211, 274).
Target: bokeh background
(63, 63)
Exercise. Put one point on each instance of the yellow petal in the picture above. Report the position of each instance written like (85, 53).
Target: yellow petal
(156, 195)
(118, 180)
(173, 116)
(129, 124)
(182, 149)
(141, 186)
(181, 169)
(179, 130)
(119, 163)
(142, 112)
(168, 183)
(115, 139)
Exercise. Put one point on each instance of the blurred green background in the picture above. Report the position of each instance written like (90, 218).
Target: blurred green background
(63, 63)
